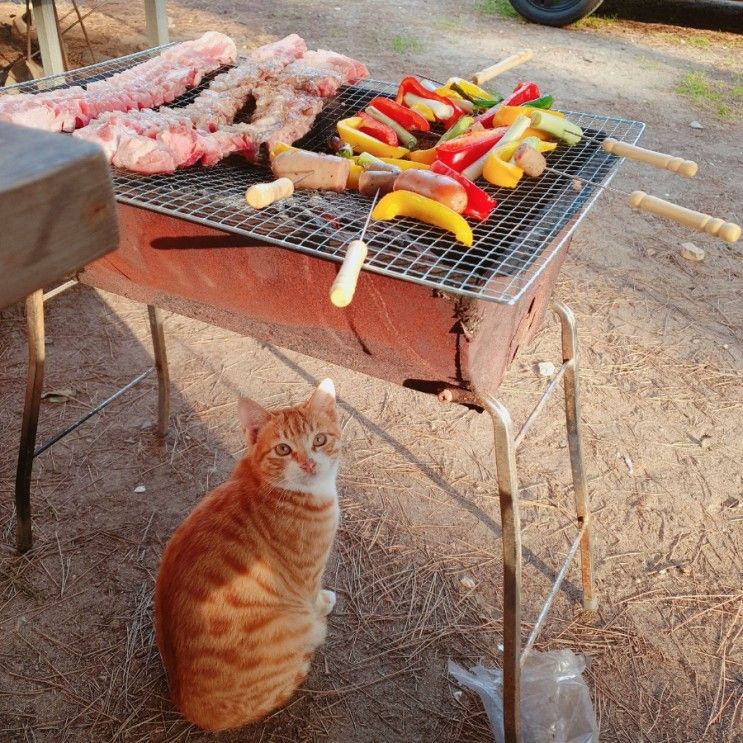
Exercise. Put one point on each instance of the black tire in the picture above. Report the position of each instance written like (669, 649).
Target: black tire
(555, 12)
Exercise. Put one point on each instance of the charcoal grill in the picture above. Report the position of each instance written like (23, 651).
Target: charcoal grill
(427, 313)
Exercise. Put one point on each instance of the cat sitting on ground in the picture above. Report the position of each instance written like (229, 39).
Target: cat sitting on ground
(239, 608)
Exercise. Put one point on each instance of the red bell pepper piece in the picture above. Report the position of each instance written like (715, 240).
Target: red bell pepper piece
(369, 125)
(522, 93)
(413, 85)
(479, 203)
(460, 152)
(404, 116)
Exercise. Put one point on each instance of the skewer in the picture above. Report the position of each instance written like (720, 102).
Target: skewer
(344, 286)
(620, 149)
(650, 157)
(727, 231)
(503, 66)
(260, 195)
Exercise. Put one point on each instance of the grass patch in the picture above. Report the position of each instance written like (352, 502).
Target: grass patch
(724, 99)
(701, 42)
(448, 24)
(597, 22)
(402, 44)
(649, 64)
(497, 7)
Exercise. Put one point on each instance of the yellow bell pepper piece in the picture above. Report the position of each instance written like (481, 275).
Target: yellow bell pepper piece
(409, 204)
(361, 142)
(278, 148)
(424, 110)
(472, 90)
(406, 164)
(423, 156)
(353, 175)
(506, 115)
(538, 133)
(500, 172)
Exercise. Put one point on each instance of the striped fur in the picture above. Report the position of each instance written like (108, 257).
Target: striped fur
(239, 608)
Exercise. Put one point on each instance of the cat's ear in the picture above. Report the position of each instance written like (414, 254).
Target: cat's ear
(252, 417)
(323, 398)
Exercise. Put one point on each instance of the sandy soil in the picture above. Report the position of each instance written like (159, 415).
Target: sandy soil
(661, 383)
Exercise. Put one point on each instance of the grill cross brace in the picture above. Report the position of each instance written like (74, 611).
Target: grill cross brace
(506, 445)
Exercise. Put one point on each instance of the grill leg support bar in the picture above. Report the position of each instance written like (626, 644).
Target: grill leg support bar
(575, 445)
(508, 491)
(161, 364)
(34, 382)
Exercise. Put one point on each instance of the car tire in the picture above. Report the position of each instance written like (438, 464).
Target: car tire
(555, 12)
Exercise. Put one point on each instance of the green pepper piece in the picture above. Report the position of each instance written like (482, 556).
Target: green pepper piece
(459, 127)
(545, 102)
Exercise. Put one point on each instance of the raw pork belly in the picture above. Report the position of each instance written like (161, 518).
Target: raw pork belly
(290, 86)
(150, 141)
(149, 84)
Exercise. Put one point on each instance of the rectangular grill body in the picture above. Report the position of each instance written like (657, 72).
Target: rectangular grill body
(396, 330)
(427, 312)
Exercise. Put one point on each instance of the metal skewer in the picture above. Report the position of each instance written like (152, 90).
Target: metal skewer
(344, 286)
(727, 231)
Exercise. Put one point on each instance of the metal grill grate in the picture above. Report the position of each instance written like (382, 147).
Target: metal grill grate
(511, 249)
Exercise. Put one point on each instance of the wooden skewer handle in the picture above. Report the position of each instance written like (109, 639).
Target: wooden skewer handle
(264, 194)
(727, 231)
(503, 66)
(344, 286)
(656, 159)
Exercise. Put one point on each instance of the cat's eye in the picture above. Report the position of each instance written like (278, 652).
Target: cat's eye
(282, 450)
(320, 440)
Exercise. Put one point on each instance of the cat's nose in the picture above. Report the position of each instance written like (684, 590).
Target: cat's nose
(307, 465)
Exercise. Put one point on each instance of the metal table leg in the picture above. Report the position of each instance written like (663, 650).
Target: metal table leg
(508, 491)
(161, 363)
(572, 419)
(156, 17)
(36, 355)
(34, 381)
(45, 19)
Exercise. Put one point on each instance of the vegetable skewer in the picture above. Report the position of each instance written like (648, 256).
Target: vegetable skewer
(344, 286)
(727, 231)
(650, 157)
(503, 66)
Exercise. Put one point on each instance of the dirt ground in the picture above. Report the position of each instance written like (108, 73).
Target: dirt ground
(661, 343)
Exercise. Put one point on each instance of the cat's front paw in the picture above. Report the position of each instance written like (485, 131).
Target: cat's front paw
(325, 602)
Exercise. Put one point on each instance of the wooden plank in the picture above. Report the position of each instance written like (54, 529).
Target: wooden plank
(57, 210)
(45, 20)
(156, 17)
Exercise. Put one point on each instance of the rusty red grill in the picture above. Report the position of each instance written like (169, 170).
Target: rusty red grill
(512, 248)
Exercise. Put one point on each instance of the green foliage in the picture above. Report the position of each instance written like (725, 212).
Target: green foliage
(402, 44)
(497, 7)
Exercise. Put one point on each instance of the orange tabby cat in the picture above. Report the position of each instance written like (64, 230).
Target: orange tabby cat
(238, 604)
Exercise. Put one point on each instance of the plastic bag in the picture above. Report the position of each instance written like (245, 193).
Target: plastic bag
(555, 702)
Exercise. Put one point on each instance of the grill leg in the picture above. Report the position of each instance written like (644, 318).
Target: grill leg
(572, 418)
(161, 364)
(34, 381)
(508, 491)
